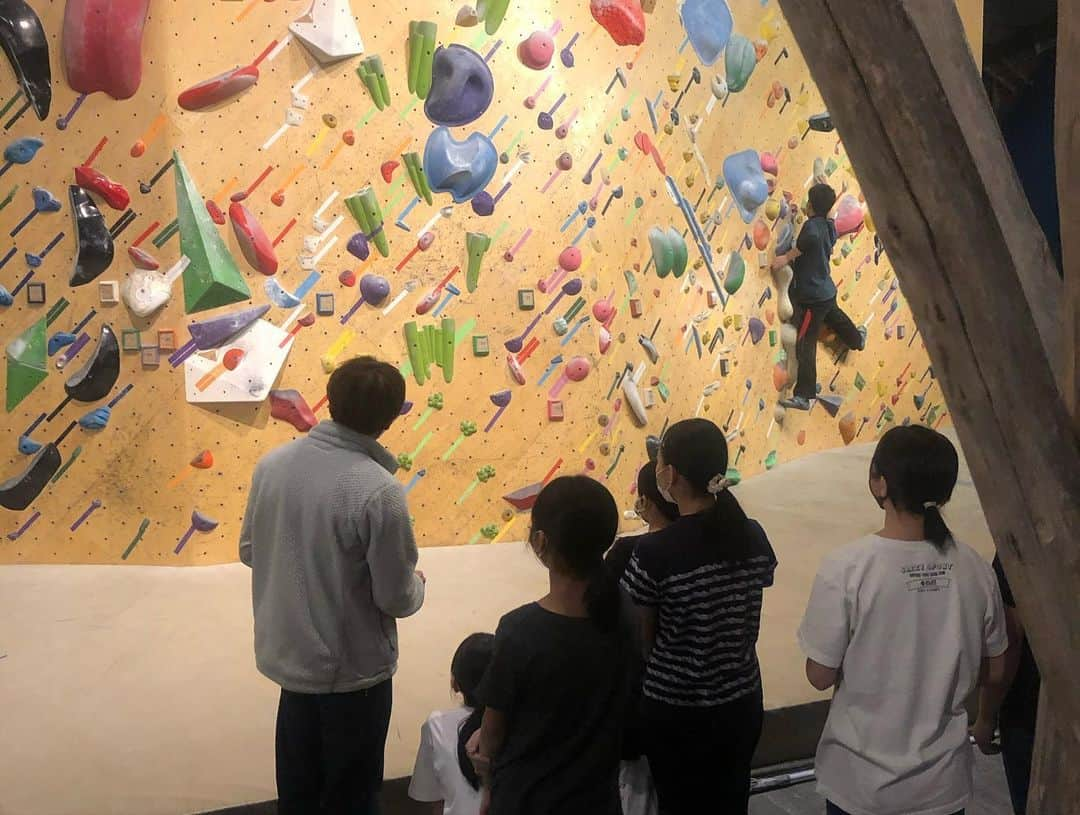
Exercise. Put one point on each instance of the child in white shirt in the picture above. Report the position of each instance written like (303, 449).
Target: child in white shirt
(904, 624)
(443, 775)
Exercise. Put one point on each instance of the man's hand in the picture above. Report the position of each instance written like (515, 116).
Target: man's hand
(481, 763)
(983, 733)
(485, 801)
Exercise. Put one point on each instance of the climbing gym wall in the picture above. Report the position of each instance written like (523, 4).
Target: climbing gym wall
(564, 242)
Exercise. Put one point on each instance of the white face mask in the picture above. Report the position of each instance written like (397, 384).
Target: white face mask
(664, 491)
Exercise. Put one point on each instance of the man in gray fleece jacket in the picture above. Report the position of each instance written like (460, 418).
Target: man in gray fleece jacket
(333, 559)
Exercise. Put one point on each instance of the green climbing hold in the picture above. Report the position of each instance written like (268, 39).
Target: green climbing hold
(662, 251)
(680, 254)
(476, 245)
(421, 49)
(736, 273)
(212, 279)
(419, 181)
(733, 476)
(373, 76)
(740, 59)
(364, 207)
(26, 358)
(771, 460)
(489, 531)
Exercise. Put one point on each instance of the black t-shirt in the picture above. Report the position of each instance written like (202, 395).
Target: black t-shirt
(707, 589)
(812, 281)
(618, 556)
(564, 686)
(1021, 704)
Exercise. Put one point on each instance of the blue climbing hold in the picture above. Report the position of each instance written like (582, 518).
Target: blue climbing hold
(61, 339)
(278, 296)
(45, 201)
(5, 297)
(746, 182)
(34, 261)
(96, 419)
(708, 25)
(22, 151)
(461, 168)
(27, 446)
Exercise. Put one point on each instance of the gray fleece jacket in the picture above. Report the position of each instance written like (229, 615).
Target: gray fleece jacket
(333, 559)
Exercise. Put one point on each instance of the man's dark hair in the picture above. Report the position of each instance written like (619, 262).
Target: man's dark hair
(366, 395)
(822, 197)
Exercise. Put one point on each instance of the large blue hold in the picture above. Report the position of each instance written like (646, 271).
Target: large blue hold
(746, 182)
(461, 168)
(22, 151)
(708, 25)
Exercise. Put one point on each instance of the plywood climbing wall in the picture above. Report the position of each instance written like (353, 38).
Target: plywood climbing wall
(306, 137)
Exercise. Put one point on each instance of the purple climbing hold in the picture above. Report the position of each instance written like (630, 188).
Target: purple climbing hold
(483, 204)
(374, 288)
(358, 246)
(461, 86)
(501, 398)
(757, 330)
(216, 331)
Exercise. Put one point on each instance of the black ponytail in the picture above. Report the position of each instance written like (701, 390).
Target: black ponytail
(698, 451)
(579, 519)
(920, 467)
(467, 667)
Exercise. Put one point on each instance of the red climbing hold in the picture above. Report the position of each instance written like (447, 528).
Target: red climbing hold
(219, 89)
(254, 243)
(308, 320)
(203, 461)
(387, 170)
(215, 213)
(233, 358)
(143, 259)
(349, 138)
(624, 20)
(278, 198)
(290, 406)
(114, 194)
(347, 278)
(138, 149)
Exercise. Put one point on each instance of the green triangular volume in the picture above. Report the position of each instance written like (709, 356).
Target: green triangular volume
(26, 358)
(213, 278)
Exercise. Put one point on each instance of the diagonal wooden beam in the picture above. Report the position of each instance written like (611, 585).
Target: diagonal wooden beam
(905, 94)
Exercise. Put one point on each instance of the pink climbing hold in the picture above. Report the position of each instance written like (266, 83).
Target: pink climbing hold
(849, 215)
(289, 406)
(219, 89)
(570, 259)
(347, 278)
(624, 20)
(143, 259)
(536, 50)
(769, 164)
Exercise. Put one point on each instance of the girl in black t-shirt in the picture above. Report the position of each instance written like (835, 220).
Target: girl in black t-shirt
(558, 686)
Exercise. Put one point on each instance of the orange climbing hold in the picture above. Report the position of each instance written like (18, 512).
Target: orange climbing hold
(233, 358)
(203, 461)
(761, 235)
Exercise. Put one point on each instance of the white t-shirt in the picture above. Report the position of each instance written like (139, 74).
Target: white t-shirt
(437, 774)
(908, 626)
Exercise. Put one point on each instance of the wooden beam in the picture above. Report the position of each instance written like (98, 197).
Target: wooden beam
(976, 269)
(1055, 779)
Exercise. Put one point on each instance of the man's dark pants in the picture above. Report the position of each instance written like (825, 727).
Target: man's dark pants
(330, 751)
(808, 319)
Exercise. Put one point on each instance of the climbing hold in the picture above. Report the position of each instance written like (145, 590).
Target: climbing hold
(771, 460)
(847, 427)
(740, 59)
(218, 89)
(757, 330)
(256, 247)
(663, 252)
(466, 17)
(419, 49)
(736, 273)
(373, 76)
(769, 164)
(22, 151)
(214, 332)
(279, 296)
(849, 215)
(27, 446)
(144, 291)
(415, 168)
(708, 25)
(349, 137)
(365, 209)
(289, 406)
(746, 181)
(387, 170)
(203, 461)
(115, 194)
(26, 46)
(61, 339)
(215, 213)
(786, 239)
(483, 204)
(476, 246)
(462, 86)
(232, 359)
(96, 378)
(772, 209)
(347, 278)
(624, 20)
(358, 246)
(143, 259)
(492, 13)
(308, 320)
(330, 120)
(761, 233)
(426, 240)
(94, 244)
(102, 43)
(329, 31)
(565, 162)
(213, 279)
(680, 253)
(461, 168)
(537, 50)
(570, 259)
(96, 419)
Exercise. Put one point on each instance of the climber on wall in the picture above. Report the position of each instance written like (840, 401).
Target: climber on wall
(813, 294)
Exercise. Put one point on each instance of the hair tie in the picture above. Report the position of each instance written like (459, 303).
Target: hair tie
(718, 484)
(931, 505)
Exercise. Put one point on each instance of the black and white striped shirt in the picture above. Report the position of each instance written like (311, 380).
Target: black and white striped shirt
(707, 593)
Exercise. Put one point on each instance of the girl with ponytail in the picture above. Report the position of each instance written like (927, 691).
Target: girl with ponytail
(904, 624)
(699, 585)
(556, 693)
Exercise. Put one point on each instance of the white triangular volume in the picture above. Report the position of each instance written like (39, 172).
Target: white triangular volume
(251, 380)
(329, 31)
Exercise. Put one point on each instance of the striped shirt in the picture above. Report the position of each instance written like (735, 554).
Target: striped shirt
(707, 594)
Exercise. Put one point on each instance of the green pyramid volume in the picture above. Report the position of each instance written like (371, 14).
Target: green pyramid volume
(26, 358)
(213, 278)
